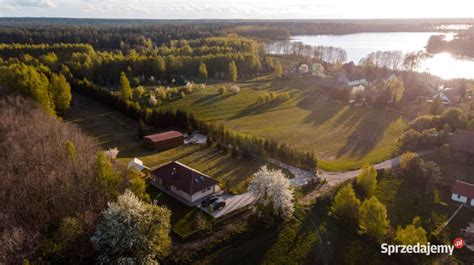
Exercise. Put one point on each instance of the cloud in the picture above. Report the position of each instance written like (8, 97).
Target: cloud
(31, 3)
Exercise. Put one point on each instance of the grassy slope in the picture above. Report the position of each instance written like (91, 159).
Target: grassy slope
(342, 137)
(113, 129)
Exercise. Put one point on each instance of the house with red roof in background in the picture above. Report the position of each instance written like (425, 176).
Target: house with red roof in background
(463, 192)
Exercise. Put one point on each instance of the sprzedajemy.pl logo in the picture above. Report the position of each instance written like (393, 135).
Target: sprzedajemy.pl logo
(426, 249)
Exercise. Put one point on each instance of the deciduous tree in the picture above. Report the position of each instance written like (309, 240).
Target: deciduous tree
(272, 192)
(346, 205)
(373, 219)
(411, 234)
(232, 71)
(278, 70)
(132, 231)
(202, 70)
(367, 181)
(125, 89)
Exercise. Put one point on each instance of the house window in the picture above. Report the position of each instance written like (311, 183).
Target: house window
(206, 189)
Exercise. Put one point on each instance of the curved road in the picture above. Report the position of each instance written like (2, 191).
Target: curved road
(335, 178)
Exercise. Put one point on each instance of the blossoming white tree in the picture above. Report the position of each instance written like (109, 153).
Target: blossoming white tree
(112, 153)
(272, 191)
(152, 100)
(132, 231)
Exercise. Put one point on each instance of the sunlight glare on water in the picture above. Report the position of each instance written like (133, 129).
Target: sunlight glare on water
(446, 66)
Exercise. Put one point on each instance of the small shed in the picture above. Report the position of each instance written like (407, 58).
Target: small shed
(463, 192)
(137, 163)
(164, 141)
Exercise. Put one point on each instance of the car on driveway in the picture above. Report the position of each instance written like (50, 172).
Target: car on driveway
(217, 205)
(208, 201)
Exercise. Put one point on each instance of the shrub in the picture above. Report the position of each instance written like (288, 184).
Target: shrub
(234, 89)
(222, 90)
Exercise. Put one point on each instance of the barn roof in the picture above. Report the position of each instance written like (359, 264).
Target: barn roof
(463, 141)
(463, 188)
(158, 137)
(183, 177)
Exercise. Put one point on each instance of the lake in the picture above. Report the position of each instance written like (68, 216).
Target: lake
(358, 45)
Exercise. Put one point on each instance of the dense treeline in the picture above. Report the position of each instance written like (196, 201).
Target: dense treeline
(104, 36)
(237, 144)
(179, 59)
(115, 34)
(52, 91)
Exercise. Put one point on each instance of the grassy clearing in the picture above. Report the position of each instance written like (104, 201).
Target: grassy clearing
(342, 137)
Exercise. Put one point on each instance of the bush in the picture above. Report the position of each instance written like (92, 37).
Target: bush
(222, 90)
(234, 89)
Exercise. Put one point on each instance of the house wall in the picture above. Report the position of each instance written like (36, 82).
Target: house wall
(181, 193)
(458, 198)
(203, 193)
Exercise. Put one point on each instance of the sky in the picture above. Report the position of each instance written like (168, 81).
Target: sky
(241, 9)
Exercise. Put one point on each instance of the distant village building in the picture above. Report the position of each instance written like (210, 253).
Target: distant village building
(463, 192)
(461, 142)
(183, 182)
(358, 89)
(136, 163)
(164, 141)
(357, 82)
(444, 99)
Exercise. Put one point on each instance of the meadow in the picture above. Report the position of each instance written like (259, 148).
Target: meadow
(342, 137)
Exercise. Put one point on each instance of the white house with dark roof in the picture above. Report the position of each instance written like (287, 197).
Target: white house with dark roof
(183, 182)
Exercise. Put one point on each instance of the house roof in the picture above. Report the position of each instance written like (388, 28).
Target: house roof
(463, 188)
(163, 136)
(183, 177)
(462, 140)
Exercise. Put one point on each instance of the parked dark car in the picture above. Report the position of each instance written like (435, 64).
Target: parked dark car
(216, 205)
(209, 200)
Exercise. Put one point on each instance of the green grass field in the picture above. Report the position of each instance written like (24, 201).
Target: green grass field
(342, 137)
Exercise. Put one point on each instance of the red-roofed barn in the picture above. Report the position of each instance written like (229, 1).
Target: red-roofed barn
(164, 141)
(463, 192)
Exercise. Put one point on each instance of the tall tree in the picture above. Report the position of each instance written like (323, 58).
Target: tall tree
(202, 70)
(132, 232)
(125, 89)
(232, 71)
(61, 91)
(367, 181)
(106, 176)
(278, 71)
(137, 184)
(346, 205)
(373, 219)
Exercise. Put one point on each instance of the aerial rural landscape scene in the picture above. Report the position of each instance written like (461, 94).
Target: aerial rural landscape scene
(218, 133)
